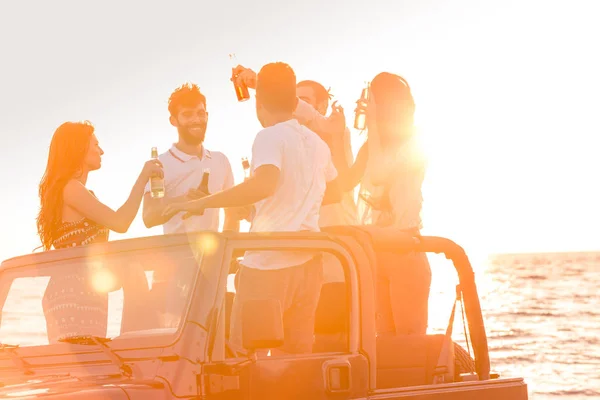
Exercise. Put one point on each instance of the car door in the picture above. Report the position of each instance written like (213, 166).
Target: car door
(334, 370)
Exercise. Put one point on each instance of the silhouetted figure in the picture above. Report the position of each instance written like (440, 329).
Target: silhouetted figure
(390, 195)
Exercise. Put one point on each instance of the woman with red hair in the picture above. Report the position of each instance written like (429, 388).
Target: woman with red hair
(71, 215)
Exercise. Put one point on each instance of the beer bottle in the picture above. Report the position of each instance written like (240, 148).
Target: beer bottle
(246, 166)
(241, 90)
(203, 187)
(157, 184)
(360, 114)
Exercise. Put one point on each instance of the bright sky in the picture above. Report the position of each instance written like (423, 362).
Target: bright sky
(507, 94)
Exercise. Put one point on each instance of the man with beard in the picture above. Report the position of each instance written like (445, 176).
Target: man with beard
(184, 165)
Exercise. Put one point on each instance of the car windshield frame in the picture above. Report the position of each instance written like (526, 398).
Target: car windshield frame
(189, 245)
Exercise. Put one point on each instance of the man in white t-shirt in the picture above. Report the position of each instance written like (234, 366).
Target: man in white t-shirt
(342, 210)
(310, 111)
(290, 168)
(184, 165)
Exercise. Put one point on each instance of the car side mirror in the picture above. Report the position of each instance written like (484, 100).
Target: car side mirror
(262, 324)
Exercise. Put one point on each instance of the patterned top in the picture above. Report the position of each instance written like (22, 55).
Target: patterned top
(80, 233)
(71, 305)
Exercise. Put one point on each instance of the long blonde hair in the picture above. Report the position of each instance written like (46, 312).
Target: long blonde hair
(68, 149)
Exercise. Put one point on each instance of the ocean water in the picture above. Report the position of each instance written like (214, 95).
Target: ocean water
(542, 317)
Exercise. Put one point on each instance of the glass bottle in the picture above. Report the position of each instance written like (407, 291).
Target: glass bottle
(360, 114)
(157, 184)
(203, 187)
(241, 90)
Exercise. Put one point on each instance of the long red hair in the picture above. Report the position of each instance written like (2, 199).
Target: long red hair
(68, 149)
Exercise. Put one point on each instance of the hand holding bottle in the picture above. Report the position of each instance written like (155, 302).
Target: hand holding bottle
(195, 194)
(190, 208)
(152, 168)
(360, 113)
(244, 76)
(241, 213)
(157, 182)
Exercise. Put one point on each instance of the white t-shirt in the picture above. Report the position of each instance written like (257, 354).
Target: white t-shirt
(183, 172)
(305, 166)
(407, 168)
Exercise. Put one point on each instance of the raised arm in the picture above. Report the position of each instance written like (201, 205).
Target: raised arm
(78, 197)
(153, 209)
(313, 120)
(348, 177)
(304, 112)
(267, 158)
(259, 186)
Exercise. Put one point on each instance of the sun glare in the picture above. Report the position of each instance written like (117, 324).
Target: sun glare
(207, 243)
(103, 280)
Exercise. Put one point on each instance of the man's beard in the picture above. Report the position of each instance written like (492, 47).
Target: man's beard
(193, 139)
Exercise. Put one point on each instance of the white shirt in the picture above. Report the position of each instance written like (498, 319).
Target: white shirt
(183, 172)
(305, 166)
(407, 169)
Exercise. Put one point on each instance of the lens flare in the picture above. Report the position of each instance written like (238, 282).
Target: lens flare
(103, 280)
(207, 243)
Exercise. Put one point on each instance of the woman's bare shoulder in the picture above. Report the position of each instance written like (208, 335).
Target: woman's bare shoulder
(74, 188)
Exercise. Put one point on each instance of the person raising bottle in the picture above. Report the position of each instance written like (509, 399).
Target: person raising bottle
(390, 168)
(71, 215)
(304, 112)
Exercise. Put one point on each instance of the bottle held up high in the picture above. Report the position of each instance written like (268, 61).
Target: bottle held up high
(157, 184)
(360, 114)
(241, 90)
